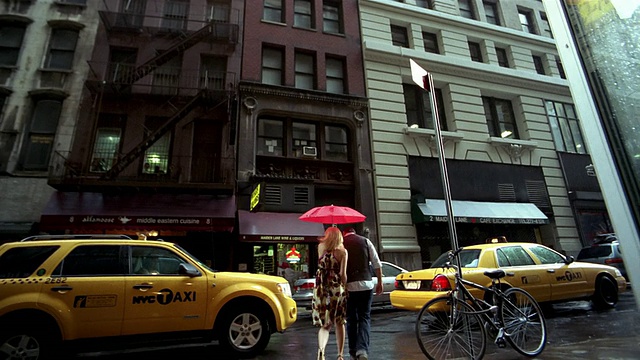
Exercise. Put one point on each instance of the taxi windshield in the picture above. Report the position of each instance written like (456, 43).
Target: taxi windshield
(468, 259)
(194, 258)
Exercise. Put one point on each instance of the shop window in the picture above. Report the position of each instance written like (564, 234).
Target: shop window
(500, 118)
(11, 36)
(304, 71)
(302, 14)
(62, 48)
(418, 107)
(272, 11)
(156, 158)
(503, 60)
(107, 144)
(466, 9)
(42, 131)
(272, 66)
(332, 17)
(399, 36)
(565, 127)
(335, 75)
(430, 42)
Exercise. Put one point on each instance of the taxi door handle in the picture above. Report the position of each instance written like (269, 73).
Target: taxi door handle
(61, 288)
(551, 270)
(142, 286)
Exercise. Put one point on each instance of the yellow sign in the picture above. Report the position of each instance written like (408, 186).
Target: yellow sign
(255, 198)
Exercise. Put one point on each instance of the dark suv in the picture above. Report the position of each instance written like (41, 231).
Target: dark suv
(605, 249)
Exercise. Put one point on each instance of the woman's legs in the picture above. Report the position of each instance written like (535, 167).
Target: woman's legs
(340, 337)
(323, 339)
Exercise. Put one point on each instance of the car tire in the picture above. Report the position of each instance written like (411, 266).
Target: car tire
(28, 341)
(606, 293)
(245, 331)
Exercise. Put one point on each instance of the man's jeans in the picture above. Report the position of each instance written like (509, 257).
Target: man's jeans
(359, 320)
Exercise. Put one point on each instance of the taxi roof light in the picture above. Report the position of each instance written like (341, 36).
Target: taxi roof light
(496, 240)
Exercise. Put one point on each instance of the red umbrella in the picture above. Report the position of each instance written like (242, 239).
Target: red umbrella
(331, 214)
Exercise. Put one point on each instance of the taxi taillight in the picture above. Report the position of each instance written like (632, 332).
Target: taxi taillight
(440, 283)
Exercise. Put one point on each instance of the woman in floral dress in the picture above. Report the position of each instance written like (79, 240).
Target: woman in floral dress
(329, 304)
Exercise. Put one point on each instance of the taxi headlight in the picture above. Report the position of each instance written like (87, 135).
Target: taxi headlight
(618, 273)
(285, 288)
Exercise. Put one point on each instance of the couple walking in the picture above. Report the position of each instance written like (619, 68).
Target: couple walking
(344, 290)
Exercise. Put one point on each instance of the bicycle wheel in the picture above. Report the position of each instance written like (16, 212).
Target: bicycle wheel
(523, 322)
(442, 335)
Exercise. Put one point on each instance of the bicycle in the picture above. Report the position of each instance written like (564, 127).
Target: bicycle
(455, 326)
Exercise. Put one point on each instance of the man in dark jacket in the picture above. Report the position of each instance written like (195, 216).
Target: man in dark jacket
(363, 259)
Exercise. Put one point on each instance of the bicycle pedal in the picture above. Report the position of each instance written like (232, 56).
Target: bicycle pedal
(501, 343)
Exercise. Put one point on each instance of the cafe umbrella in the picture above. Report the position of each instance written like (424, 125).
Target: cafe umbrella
(332, 214)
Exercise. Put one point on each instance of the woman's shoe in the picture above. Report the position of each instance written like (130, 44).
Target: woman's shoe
(320, 354)
(340, 357)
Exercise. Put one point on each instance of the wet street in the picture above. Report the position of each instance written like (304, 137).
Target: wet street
(575, 331)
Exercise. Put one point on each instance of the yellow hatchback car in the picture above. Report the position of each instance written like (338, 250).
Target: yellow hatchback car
(546, 274)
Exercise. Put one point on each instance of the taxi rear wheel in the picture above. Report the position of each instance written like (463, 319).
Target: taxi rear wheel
(245, 332)
(26, 342)
(606, 293)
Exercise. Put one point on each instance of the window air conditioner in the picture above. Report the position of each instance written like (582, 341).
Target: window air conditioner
(309, 151)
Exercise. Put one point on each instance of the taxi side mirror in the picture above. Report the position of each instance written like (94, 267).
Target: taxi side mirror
(188, 269)
(569, 259)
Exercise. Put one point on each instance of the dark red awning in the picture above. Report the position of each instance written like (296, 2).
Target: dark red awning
(96, 211)
(276, 227)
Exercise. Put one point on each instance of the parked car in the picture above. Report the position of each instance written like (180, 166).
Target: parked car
(60, 292)
(604, 250)
(546, 274)
(303, 288)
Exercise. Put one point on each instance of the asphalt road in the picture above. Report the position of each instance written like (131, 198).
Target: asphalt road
(575, 331)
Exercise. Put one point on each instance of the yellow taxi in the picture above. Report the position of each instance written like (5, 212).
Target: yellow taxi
(546, 274)
(57, 292)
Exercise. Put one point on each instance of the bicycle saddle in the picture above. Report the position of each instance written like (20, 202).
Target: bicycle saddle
(495, 274)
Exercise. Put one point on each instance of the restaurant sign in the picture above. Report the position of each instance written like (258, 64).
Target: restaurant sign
(488, 220)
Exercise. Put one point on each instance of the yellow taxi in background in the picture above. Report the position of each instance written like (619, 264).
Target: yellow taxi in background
(546, 274)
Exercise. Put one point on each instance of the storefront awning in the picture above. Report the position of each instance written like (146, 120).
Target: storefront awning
(276, 227)
(478, 212)
(179, 212)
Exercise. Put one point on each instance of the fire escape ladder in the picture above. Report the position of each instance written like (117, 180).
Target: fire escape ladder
(162, 58)
(139, 149)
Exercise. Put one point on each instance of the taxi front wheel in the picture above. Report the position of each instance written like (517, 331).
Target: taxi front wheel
(245, 332)
(606, 293)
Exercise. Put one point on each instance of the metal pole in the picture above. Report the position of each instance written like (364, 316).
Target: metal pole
(443, 164)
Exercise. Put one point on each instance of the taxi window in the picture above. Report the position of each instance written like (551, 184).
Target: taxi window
(546, 256)
(513, 256)
(149, 260)
(20, 262)
(468, 259)
(92, 260)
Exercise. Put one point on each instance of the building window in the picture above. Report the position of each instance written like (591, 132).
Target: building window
(544, 26)
(217, 11)
(560, 68)
(537, 63)
(166, 78)
(42, 130)
(156, 158)
(503, 60)
(175, 14)
(526, 21)
(272, 66)
(62, 48)
(399, 36)
(475, 52)
(335, 76)
(417, 104)
(302, 14)
(491, 12)
(107, 144)
(301, 138)
(466, 9)
(272, 11)
(305, 73)
(11, 36)
(500, 118)
(427, 4)
(430, 42)
(332, 17)
(565, 127)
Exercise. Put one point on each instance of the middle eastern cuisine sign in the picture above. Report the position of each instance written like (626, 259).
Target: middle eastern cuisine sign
(123, 221)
